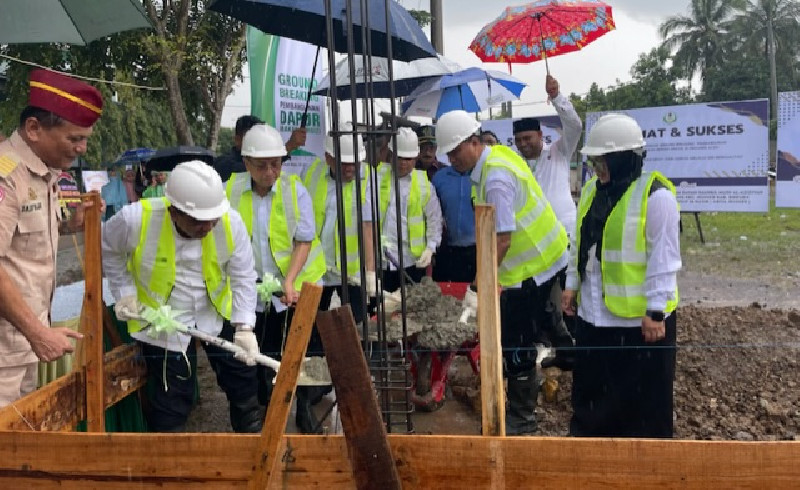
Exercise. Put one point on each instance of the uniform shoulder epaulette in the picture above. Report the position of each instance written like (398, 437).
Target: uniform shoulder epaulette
(8, 162)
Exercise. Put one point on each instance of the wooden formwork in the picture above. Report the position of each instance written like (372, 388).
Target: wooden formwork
(38, 451)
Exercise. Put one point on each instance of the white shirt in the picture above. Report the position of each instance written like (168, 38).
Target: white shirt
(189, 295)
(433, 221)
(328, 237)
(262, 251)
(662, 232)
(552, 168)
(508, 198)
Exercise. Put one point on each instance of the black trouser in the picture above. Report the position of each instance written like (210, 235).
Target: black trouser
(391, 279)
(522, 313)
(456, 264)
(356, 304)
(621, 385)
(168, 409)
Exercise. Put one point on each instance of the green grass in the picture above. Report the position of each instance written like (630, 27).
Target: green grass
(743, 244)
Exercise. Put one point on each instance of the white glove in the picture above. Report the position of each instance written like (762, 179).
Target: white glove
(371, 282)
(127, 308)
(392, 302)
(246, 339)
(469, 306)
(424, 259)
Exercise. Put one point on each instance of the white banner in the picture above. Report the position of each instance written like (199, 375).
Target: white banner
(280, 79)
(787, 180)
(716, 154)
(504, 129)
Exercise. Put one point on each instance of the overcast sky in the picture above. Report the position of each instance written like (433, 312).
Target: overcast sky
(605, 61)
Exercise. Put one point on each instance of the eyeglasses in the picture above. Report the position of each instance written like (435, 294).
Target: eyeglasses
(594, 161)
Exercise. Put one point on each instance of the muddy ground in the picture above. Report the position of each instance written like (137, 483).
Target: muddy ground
(737, 371)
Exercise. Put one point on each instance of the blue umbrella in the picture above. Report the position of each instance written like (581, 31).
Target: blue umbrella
(304, 20)
(472, 90)
(134, 155)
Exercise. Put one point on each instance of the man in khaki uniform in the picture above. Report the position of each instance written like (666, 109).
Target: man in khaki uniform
(53, 131)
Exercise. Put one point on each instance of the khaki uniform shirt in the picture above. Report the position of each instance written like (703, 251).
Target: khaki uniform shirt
(29, 218)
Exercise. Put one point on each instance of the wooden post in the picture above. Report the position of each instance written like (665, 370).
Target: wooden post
(281, 402)
(367, 446)
(493, 413)
(92, 319)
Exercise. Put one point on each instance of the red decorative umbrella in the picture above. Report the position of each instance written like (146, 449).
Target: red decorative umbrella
(541, 29)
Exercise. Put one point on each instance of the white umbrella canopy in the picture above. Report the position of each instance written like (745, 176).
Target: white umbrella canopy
(68, 21)
(471, 90)
(407, 76)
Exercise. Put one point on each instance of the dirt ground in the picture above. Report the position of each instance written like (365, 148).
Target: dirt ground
(737, 374)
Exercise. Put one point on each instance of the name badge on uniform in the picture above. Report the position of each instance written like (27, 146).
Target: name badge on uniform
(30, 207)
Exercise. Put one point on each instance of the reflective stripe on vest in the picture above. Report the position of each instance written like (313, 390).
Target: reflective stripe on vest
(283, 217)
(152, 262)
(539, 239)
(418, 196)
(624, 256)
(316, 182)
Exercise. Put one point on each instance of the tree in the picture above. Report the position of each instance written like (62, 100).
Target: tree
(422, 17)
(200, 54)
(131, 117)
(770, 29)
(697, 39)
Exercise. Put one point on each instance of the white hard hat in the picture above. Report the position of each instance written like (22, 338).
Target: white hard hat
(453, 128)
(407, 143)
(195, 188)
(263, 141)
(612, 133)
(346, 145)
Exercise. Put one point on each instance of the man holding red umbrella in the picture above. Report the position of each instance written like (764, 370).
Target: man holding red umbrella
(550, 165)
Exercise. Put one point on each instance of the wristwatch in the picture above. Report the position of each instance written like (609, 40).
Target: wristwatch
(656, 316)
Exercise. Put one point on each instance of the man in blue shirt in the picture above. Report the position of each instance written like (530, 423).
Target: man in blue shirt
(455, 259)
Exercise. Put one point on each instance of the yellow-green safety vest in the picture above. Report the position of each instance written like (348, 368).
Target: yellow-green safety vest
(316, 181)
(418, 196)
(623, 259)
(283, 217)
(152, 262)
(539, 239)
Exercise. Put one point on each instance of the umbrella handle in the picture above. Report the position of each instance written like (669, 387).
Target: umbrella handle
(308, 97)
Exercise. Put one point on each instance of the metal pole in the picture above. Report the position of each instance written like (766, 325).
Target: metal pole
(336, 149)
(437, 38)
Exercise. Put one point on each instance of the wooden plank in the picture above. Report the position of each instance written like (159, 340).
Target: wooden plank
(493, 413)
(266, 454)
(55, 406)
(125, 373)
(225, 460)
(60, 405)
(370, 455)
(92, 319)
(110, 328)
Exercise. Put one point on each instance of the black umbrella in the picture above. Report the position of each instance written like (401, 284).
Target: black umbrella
(166, 159)
(304, 20)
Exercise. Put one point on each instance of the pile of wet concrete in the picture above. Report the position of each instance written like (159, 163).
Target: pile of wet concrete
(433, 317)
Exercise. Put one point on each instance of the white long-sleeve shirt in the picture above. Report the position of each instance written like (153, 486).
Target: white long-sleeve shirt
(189, 295)
(262, 251)
(552, 168)
(662, 232)
(433, 221)
(508, 198)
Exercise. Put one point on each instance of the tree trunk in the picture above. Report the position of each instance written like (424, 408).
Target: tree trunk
(773, 77)
(176, 109)
(218, 91)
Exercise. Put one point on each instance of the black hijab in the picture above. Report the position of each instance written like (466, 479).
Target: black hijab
(624, 168)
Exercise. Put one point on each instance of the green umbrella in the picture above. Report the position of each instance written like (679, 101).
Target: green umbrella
(68, 21)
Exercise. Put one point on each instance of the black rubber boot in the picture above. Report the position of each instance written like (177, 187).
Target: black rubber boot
(247, 416)
(305, 419)
(523, 391)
